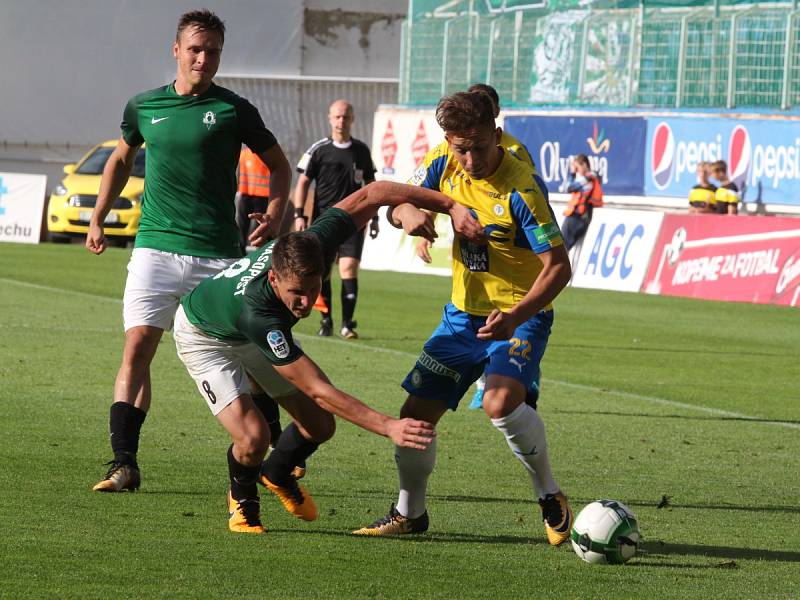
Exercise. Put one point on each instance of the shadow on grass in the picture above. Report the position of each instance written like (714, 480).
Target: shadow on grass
(577, 501)
(661, 350)
(651, 549)
(687, 417)
(429, 538)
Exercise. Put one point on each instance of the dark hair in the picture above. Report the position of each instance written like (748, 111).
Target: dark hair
(204, 20)
(583, 159)
(465, 111)
(486, 89)
(299, 254)
(720, 164)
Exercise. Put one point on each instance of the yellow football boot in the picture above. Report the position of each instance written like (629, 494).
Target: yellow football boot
(244, 515)
(557, 516)
(294, 497)
(395, 524)
(120, 477)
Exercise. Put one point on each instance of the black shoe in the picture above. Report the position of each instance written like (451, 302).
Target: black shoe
(120, 477)
(326, 327)
(395, 524)
(349, 330)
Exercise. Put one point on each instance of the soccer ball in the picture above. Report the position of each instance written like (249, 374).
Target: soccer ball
(605, 532)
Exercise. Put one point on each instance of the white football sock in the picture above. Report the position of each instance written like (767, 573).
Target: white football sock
(413, 468)
(524, 431)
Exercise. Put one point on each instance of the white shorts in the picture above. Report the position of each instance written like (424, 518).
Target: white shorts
(220, 368)
(157, 280)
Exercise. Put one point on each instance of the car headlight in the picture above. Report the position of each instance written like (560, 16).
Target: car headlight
(60, 190)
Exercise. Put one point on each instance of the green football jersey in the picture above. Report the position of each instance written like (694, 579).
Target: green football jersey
(193, 147)
(239, 304)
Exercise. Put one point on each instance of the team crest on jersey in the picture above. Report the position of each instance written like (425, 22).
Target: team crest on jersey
(209, 119)
(498, 210)
(358, 175)
(278, 343)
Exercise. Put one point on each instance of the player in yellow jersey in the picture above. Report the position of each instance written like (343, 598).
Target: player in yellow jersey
(518, 150)
(500, 314)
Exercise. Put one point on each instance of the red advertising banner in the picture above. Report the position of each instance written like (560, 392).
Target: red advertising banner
(738, 258)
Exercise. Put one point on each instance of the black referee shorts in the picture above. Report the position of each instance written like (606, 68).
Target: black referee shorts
(353, 246)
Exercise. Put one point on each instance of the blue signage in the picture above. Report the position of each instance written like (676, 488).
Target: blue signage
(763, 156)
(615, 147)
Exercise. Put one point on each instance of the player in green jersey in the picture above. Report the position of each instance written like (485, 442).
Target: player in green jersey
(240, 321)
(194, 130)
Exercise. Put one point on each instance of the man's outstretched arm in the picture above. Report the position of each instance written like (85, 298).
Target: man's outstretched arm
(362, 204)
(309, 379)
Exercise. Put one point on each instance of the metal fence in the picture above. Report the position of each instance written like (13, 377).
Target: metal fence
(295, 108)
(582, 53)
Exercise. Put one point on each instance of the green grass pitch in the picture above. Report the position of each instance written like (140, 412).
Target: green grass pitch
(688, 411)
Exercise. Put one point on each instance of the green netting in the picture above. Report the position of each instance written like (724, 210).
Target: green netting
(623, 53)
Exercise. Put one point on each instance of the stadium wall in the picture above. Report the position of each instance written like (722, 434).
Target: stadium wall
(744, 258)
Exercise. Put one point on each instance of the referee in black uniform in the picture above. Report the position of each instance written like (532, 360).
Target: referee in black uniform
(338, 165)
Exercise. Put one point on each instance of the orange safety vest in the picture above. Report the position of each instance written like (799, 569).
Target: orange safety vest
(580, 199)
(253, 175)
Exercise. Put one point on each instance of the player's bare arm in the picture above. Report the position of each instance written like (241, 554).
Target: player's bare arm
(299, 201)
(411, 219)
(115, 175)
(280, 179)
(555, 275)
(309, 379)
(362, 205)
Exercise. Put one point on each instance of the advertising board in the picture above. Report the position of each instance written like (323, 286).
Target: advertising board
(763, 156)
(616, 249)
(615, 147)
(745, 259)
(22, 200)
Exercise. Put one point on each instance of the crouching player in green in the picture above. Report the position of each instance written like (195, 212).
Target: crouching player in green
(500, 314)
(240, 320)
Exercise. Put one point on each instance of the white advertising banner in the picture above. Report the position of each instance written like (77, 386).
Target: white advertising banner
(400, 139)
(21, 206)
(616, 250)
(393, 250)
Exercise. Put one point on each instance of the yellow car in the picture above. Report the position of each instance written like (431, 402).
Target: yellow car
(72, 202)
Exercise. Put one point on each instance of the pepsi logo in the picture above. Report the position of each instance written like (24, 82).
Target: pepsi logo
(663, 152)
(739, 154)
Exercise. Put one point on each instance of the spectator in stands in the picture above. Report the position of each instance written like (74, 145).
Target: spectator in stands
(253, 192)
(727, 196)
(339, 165)
(701, 196)
(587, 194)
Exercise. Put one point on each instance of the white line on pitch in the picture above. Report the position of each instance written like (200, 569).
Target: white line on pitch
(580, 386)
(411, 355)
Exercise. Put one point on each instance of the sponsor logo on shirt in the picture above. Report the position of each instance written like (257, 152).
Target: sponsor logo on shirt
(545, 233)
(278, 343)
